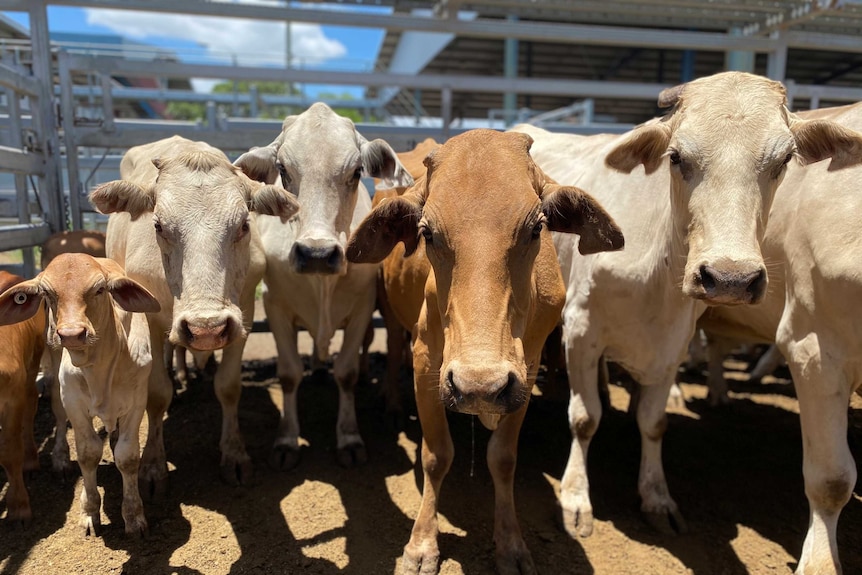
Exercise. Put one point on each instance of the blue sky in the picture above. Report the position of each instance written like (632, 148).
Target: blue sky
(248, 41)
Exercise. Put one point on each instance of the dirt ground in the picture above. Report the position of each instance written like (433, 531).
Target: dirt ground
(734, 471)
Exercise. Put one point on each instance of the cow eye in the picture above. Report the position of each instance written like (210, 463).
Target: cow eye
(537, 230)
(357, 174)
(100, 291)
(158, 227)
(285, 177)
(674, 158)
(787, 159)
(426, 233)
(243, 230)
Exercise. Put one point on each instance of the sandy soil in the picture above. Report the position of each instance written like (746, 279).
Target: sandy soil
(735, 473)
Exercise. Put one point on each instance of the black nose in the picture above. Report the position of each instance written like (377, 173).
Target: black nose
(748, 286)
(317, 259)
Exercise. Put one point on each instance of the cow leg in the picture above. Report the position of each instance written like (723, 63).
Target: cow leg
(236, 466)
(657, 505)
(153, 473)
(421, 554)
(31, 404)
(394, 357)
(718, 348)
(585, 413)
(345, 369)
(285, 452)
(512, 556)
(827, 463)
(60, 459)
(766, 365)
(127, 457)
(12, 458)
(88, 445)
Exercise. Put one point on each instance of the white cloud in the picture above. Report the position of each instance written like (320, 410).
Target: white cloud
(251, 42)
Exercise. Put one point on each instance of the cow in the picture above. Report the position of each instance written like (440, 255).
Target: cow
(400, 284)
(104, 369)
(182, 225)
(23, 345)
(494, 292)
(319, 157)
(812, 238)
(76, 241)
(694, 216)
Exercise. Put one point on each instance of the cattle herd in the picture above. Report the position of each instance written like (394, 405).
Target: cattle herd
(737, 216)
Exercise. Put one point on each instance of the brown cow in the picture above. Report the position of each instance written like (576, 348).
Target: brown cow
(20, 352)
(483, 211)
(400, 284)
(90, 242)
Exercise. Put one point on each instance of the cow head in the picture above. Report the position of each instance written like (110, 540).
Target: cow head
(78, 289)
(484, 211)
(200, 207)
(319, 157)
(727, 143)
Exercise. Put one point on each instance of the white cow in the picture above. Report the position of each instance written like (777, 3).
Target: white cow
(104, 368)
(319, 157)
(693, 220)
(813, 238)
(182, 226)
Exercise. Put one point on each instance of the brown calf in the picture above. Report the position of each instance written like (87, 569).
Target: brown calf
(105, 364)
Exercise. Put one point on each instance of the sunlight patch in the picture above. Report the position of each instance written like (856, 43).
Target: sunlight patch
(755, 550)
(334, 550)
(206, 524)
(312, 509)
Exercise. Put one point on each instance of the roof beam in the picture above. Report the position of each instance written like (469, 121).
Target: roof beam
(796, 14)
(480, 27)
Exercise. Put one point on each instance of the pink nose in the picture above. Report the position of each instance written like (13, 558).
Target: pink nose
(72, 336)
(207, 337)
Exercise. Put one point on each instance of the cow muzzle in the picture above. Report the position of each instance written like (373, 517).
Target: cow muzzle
(729, 284)
(207, 334)
(316, 257)
(74, 336)
(475, 389)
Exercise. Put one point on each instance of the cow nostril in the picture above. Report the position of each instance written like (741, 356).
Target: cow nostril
(755, 286)
(453, 389)
(186, 331)
(506, 394)
(334, 259)
(707, 280)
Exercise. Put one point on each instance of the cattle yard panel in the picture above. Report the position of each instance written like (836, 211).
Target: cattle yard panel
(39, 155)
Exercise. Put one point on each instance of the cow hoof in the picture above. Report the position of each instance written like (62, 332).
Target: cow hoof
(517, 563)
(153, 489)
(419, 563)
(237, 472)
(352, 455)
(92, 525)
(137, 528)
(669, 522)
(578, 523)
(284, 458)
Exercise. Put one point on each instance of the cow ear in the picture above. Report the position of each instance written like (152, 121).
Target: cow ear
(20, 302)
(645, 145)
(123, 196)
(129, 294)
(379, 160)
(260, 164)
(393, 220)
(273, 201)
(820, 139)
(571, 210)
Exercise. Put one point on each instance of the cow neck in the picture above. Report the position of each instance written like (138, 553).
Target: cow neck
(325, 324)
(108, 352)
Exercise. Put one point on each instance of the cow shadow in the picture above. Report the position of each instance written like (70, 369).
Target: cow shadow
(354, 515)
(732, 471)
